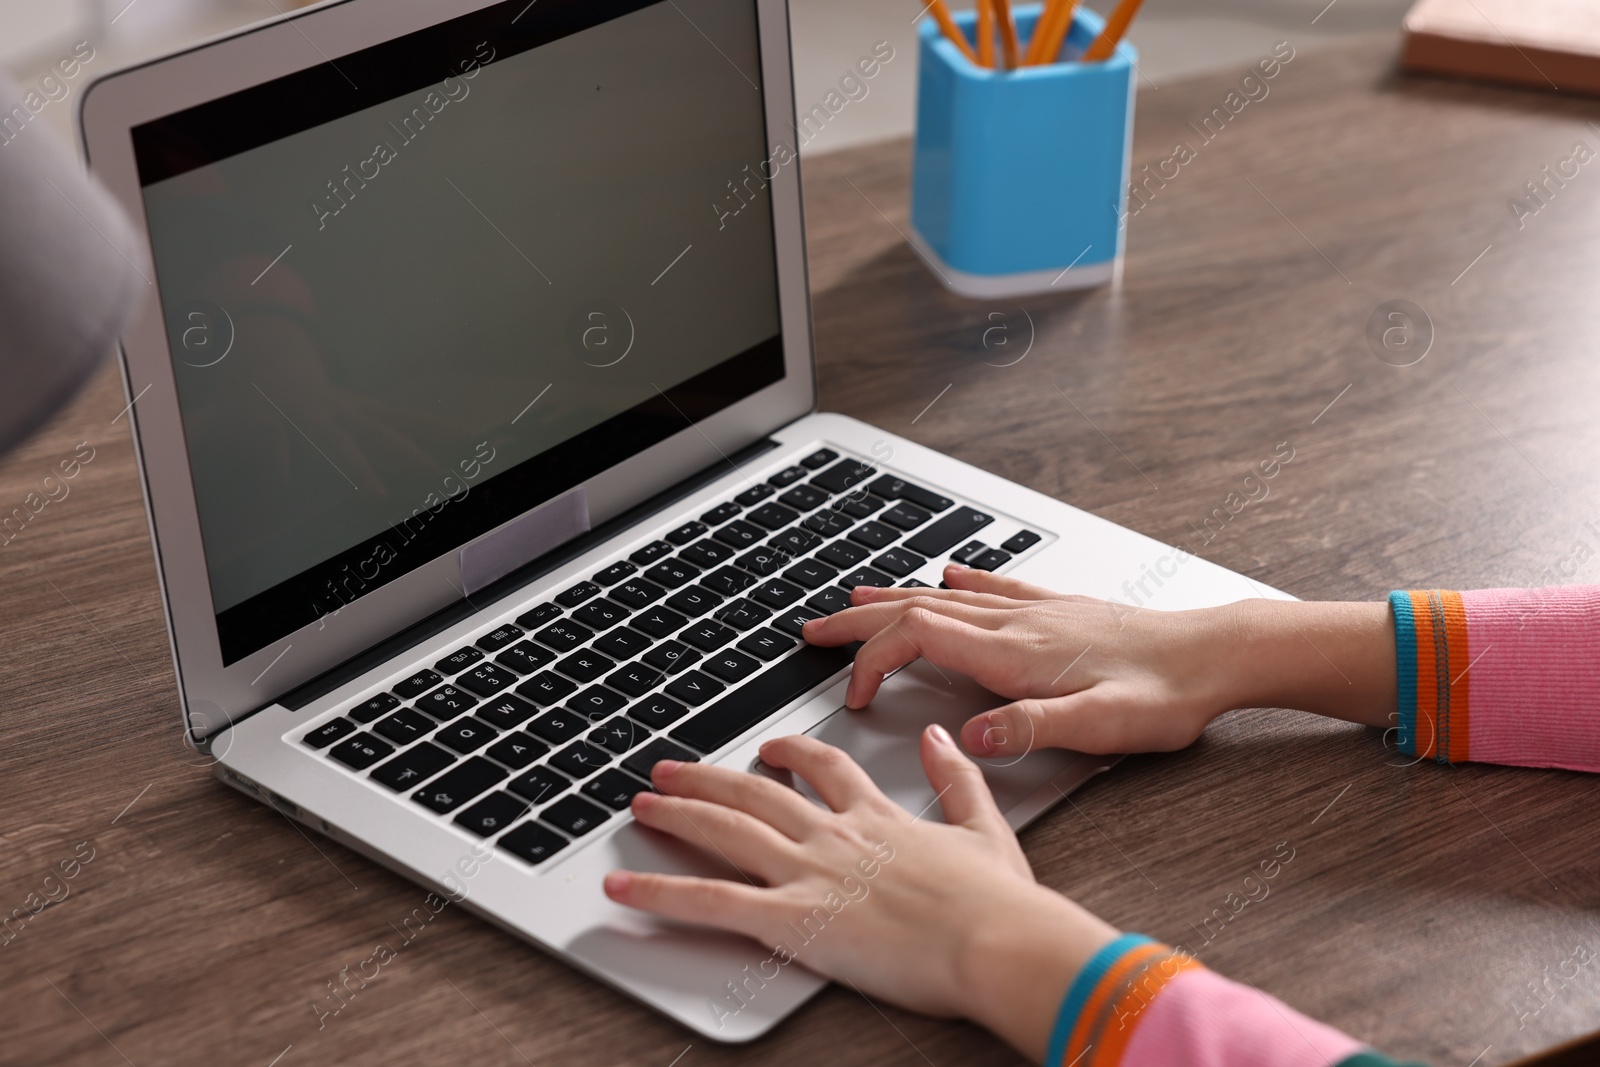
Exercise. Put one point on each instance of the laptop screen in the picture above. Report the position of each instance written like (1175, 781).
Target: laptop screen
(414, 291)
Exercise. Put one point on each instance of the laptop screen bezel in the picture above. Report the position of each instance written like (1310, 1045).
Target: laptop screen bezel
(214, 694)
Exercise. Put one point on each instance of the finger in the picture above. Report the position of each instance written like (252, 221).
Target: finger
(872, 594)
(838, 779)
(860, 623)
(1093, 721)
(743, 840)
(935, 634)
(727, 905)
(964, 795)
(776, 805)
(970, 578)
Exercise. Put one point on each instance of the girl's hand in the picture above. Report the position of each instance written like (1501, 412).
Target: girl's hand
(1106, 678)
(942, 918)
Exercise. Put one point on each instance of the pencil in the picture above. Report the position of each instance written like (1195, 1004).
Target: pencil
(1116, 26)
(1008, 33)
(1036, 39)
(985, 34)
(941, 15)
(1050, 37)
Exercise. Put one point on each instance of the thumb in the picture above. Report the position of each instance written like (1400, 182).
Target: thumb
(1077, 721)
(963, 793)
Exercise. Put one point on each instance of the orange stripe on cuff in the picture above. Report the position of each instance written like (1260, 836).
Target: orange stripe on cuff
(1097, 1002)
(1427, 734)
(1455, 622)
(1125, 1010)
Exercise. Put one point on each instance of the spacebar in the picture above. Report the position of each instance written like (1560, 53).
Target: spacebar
(763, 696)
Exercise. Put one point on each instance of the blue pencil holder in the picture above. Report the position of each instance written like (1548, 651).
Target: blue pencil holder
(1019, 179)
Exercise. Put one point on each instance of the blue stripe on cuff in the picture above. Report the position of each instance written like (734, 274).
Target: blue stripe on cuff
(1405, 657)
(1078, 993)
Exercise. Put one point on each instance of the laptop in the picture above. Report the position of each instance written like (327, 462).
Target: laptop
(478, 440)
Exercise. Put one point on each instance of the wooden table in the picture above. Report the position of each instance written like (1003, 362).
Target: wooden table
(1421, 902)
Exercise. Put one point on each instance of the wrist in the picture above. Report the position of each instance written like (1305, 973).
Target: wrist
(1017, 963)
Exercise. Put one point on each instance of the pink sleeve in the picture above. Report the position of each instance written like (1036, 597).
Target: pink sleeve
(1500, 675)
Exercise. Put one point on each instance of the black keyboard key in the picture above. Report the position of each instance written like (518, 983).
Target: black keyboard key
(773, 516)
(786, 477)
(546, 690)
(842, 554)
(874, 535)
(499, 637)
(329, 732)
(577, 594)
(361, 751)
(458, 661)
(826, 523)
(539, 785)
(694, 688)
(766, 644)
(596, 702)
(843, 475)
(764, 561)
(754, 495)
(944, 534)
(636, 679)
(644, 760)
(796, 540)
(486, 679)
(417, 684)
(728, 581)
(706, 554)
(720, 514)
(811, 573)
(891, 488)
(638, 593)
(516, 751)
(693, 601)
(538, 616)
(860, 505)
(819, 459)
(658, 622)
(865, 576)
(793, 622)
(525, 657)
(532, 843)
(616, 572)
(905, 517)
(969, 552)
(492, 814)
(614, 789)
(672, 573)
(622, 643)
(466, 735)
(405, 726)
(602, 614)
(650, 553)
(991, 560)
(830, 600)
(619, 735)
(731, 665)
(739, 534)
(912, 583)
(446, 702)
(580, 759)
(762, 696)
(371, 709)
(413, 767)
(742, 614)
(585, 666)
(804, 497)
(455, 787)
(1020, 542)
(506, 712)
(671, 656)
(777, 593)
(563, 636)
(657, 712)
(574, 815)
(707, 636)
(686, 533)
(898, 562)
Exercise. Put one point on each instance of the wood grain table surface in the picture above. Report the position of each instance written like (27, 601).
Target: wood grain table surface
(1423, 906)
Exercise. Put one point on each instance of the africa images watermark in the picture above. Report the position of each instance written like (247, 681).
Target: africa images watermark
(53, 88)
(53, 890)
(34, 503)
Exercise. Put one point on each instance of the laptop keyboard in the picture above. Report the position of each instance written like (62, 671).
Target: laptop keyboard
(540, 731)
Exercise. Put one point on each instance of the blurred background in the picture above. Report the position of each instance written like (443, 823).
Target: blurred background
(1174, 37)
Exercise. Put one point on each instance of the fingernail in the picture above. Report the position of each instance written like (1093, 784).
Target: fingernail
(953, 566)
(979, 735)
(941, 735)
(617, 883)
(850, 695)
(644, 799)
(665, 768)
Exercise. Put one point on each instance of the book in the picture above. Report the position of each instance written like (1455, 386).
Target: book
(1547, 44)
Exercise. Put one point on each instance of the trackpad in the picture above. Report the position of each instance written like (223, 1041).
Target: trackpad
(884, 737)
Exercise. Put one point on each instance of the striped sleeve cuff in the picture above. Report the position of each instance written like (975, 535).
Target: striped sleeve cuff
(1431, 658)
(1104, 1003)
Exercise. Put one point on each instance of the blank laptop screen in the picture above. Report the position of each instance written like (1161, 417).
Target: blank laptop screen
(414, 291)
